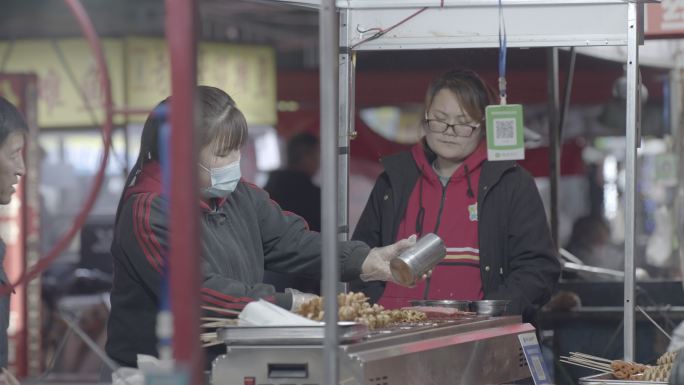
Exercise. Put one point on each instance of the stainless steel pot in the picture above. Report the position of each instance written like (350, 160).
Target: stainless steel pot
(456, 304)
(493, 307)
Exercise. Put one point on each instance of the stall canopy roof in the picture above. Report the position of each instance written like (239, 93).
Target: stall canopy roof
(654, 53)
(289, 26)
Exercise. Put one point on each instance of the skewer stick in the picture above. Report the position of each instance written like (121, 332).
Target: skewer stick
(220, 310)
(208, 335)
(208, 344)
(582, 365)
(597, 363)
(589, 356)
(213, 325)
(588, 363)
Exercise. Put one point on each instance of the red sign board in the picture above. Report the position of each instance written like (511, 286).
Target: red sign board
(665, 20)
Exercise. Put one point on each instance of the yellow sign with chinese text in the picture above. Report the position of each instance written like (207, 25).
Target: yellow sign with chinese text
(70, 94)
(246, 73)
(69, 91)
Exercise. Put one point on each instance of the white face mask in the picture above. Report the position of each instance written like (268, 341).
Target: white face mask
(224, 180)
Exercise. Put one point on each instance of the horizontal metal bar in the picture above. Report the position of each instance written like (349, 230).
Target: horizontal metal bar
(393, 4)
(476, 27)
(538, 42)
(593, 270)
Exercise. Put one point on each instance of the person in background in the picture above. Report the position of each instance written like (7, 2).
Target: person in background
(294, 191)
(489, 214)
(242, 233)
(590, 242)
(13, 130)
(292, 187)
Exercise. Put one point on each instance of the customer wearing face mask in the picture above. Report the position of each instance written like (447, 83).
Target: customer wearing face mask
(242, 233)
(489, 214)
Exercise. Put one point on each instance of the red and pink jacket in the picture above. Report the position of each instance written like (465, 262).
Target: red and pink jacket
(450, 211)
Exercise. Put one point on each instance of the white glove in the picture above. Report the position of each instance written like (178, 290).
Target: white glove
(299, 298)
(376, 267)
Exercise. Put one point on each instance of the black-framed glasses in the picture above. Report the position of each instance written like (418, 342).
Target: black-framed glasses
(460, 129)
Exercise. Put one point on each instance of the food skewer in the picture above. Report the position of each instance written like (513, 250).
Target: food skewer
(220, 310)
(586, 363)
(589, 356)
(583, 364)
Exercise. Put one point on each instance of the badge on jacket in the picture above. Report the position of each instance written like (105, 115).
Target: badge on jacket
(472, 210)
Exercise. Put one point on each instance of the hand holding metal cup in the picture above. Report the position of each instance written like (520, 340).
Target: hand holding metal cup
(376, 267)
(417, 262)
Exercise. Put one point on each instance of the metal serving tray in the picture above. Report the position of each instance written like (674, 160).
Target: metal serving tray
(608, 379)
(288, 335)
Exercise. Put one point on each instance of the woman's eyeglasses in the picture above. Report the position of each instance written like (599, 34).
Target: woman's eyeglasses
(460, 129)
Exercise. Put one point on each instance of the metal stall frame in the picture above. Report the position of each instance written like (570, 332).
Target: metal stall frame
(184, 272)
(449, 24)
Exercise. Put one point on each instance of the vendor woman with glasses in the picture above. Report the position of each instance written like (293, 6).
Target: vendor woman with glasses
(489, 214)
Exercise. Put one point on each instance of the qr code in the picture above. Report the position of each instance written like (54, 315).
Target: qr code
(504, 132)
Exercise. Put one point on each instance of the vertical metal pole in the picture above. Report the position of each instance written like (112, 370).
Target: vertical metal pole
(328, 45)
(346, 125)
(31, 229)
(676, 109)
(567, 93)
(183, 215)
(632, 120)
(676, 102)
(127, 118)
(554, 137)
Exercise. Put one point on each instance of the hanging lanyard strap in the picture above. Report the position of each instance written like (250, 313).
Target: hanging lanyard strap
(502, 55)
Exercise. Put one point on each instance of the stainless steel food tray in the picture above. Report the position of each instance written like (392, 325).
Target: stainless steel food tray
(608, 379)
(288, 335)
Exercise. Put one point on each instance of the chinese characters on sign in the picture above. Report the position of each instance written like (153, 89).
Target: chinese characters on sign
(665, 19)
(70, 94)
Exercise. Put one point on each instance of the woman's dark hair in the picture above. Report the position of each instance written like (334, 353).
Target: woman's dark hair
(472, 93)
(10, 120)
(221, 124)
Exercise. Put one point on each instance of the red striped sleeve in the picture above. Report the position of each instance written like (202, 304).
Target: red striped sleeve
(226, 305)
(155, 246)
(139, 229)
(225, 297)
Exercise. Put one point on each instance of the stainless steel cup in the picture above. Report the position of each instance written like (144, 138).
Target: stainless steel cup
(410, 266)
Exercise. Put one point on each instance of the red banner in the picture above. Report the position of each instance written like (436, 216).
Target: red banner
(665, 20)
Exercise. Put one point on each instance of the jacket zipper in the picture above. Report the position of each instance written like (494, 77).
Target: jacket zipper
(439, 219)
(488, 188)
(441, 206)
